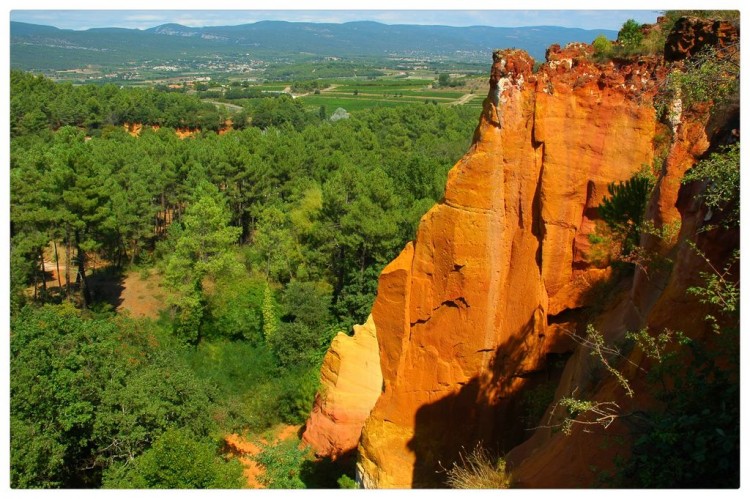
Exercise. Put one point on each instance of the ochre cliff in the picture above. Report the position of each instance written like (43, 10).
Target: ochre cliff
(469, 315)
(462, 317)
(350, 383)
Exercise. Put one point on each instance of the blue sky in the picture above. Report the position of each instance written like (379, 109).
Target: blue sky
(432, 12)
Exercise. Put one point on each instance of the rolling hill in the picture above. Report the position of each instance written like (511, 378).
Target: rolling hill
(35, 47)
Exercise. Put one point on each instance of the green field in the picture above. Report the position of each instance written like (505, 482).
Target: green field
(360, 93)
(354, 95)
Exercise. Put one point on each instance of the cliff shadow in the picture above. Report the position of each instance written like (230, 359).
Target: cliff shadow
(492, 410)
(324, 472)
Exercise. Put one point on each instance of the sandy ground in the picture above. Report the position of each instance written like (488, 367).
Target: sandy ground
(141, 295)
(142, 298)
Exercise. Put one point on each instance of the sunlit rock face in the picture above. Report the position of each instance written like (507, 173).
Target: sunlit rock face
(350, 384)
(462, 315)
(475, 312)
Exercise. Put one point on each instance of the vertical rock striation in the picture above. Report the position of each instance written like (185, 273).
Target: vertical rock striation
(462, 316)
(469, 313)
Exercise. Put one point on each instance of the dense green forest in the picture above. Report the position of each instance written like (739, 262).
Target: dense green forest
(268, 239)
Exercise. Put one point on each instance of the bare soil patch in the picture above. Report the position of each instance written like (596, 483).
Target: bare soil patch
(246, 448)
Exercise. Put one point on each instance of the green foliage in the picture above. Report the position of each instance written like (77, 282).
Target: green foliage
(712, 75)
(289, 467)
(304, 332)
(722, 15)
(692, 439)
(279, 111)
(318, 208)
(94, 106)
(582, 412)
(346, 482)
(202, 249)
(694, 442)
(721, 290)
(282, 463)
(59, 367)
(177, 461)
(189, 308)
(296, 394)
(135, 410)
(235, 309)
(624, 209)
(721, 172)
(602, 48)
(87, 395)
(270, 319)
(630, 35)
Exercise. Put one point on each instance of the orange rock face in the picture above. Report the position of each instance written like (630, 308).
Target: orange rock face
(461, 314)
(350, 383)
(469, 313)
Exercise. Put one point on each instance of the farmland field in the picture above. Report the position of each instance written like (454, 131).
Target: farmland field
(360, 94)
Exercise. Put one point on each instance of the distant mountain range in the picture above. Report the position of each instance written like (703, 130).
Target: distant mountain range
(44, 47)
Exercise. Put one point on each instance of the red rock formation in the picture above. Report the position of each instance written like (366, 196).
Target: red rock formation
(463, 315)
(467, 313)
(350, 383)
(691, 34)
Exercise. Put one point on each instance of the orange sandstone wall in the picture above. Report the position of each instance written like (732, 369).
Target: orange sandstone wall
(467, 314)
(350, 384)
(461, 314)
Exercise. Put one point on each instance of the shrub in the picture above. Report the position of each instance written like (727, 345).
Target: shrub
(712, 75)
(623, 210)
(479, 470)
(721, 171)
(296, 395)
(630, 35)
(602, 48)
(282, 463)
(177, 460)
(235, 310)
(346, 482)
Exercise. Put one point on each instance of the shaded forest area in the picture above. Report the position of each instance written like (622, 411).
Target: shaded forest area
(267, 240)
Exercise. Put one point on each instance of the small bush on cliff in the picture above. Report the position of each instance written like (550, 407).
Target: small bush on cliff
(630, 35)
(695, 441)
(602, 48)
(712, 75)
(479, 470)
(721, 172)
(692, 439)
(624, 208)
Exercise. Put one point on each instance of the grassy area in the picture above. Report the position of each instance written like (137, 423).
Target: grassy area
(355, 94)
(271, 86)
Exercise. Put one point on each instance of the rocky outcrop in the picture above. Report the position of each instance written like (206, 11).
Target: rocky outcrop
(350, 383)
(462, 315)
(691, 34)
(469, 315)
